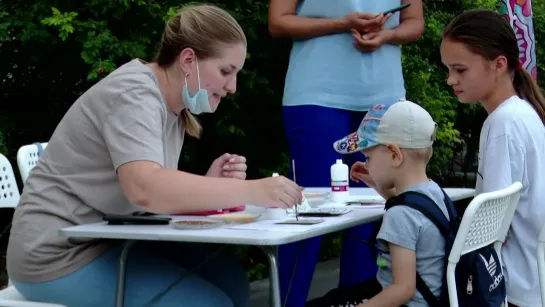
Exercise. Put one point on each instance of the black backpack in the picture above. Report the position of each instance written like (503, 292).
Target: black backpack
(479, 275)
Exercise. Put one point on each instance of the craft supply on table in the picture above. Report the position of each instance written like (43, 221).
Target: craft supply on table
(197, 224)
(310, 221)
(325, 212)
(272, 226)
(115, 219)
(374, 205)
(275, 214)
(235, 218)
(219, 211)
(339, 181)
(315, 194)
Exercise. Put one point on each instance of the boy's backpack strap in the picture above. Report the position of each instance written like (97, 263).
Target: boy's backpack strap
(429, 297)
(429, 208)
(424, 205)
(451, 209)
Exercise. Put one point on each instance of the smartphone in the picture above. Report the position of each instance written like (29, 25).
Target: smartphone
(114, 219)
(397, 9)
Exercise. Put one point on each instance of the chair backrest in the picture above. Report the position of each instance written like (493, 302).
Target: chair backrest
(486, 220)
(541, 263)
(9, 192)
(27, 158)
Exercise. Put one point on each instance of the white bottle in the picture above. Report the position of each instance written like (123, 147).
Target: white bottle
(275, 213)
(339, 181)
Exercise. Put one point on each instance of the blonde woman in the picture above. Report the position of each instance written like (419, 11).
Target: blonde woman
(116, 151)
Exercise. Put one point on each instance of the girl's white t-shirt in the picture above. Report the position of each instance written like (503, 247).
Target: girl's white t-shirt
(512, 148)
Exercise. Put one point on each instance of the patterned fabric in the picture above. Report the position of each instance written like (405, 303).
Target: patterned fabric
(519, 15)
(366, 136)
(403, 123)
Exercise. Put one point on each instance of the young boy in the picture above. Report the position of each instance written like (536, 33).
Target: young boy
(397, 142)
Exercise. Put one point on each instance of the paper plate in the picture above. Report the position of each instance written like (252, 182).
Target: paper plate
(235, 218)
(196, 224)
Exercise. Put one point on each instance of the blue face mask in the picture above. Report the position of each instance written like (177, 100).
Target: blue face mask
(199, 103)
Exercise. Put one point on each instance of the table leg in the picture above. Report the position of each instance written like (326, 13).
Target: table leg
(122, 273)
(272, 252)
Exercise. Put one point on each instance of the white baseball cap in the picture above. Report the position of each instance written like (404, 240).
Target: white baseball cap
(403, 123)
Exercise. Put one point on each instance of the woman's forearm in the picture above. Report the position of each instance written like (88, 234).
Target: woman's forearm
(411, 24)
(304, 27)
(407, 31)
(170, 191)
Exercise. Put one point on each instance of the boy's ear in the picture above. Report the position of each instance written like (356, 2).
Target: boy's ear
(396, 154)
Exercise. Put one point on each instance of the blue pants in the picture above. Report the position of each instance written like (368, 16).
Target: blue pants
(311, 131)
(152, 267)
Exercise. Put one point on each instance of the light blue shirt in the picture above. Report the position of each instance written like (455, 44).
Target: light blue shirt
(329, 71)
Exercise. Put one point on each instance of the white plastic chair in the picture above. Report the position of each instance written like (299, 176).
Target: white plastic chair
(9, 192)
(10, 297)
(485, 221)
(9, 198)
(27, 158)
(541, 263)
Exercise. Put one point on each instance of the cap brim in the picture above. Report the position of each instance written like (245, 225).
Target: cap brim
(351, 144)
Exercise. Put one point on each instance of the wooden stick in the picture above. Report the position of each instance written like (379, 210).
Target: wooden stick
(294, 180)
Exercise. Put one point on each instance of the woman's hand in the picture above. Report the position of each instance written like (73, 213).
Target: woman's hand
(228, 166)
(365, 22)
(359, 172)
(277, 192)
(370, 42)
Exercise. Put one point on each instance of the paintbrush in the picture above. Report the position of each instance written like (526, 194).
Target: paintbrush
(294, 180)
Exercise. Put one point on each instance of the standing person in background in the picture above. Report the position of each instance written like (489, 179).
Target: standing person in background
(481, 53)
(346, 57)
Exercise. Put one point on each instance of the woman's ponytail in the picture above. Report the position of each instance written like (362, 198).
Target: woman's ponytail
(191, 124)
(527, 89)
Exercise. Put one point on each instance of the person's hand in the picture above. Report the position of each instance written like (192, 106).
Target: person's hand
(359, 172)
(277, 192)
(365, 22)
(370, 42)
(228, 166)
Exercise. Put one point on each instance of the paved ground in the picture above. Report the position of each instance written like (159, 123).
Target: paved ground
(326, 277)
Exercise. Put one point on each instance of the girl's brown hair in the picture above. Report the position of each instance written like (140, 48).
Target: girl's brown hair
(203, 28)
(489, 34)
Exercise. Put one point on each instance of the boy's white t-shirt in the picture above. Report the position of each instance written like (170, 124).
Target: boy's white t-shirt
(512, 148)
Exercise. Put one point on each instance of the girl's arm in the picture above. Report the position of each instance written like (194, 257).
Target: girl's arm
(404, 286)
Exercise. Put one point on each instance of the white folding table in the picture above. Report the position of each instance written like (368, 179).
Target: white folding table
(266, 240)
